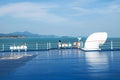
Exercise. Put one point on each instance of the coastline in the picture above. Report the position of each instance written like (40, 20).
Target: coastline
(12, 37)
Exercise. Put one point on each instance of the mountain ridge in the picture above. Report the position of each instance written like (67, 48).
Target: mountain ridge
(27, 34)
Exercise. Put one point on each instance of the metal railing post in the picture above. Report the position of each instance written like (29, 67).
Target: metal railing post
(49, 45)
(3, 47)
(111, 45)
(36, 46)
(26, 48)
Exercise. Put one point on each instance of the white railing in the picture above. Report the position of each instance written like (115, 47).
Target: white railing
(34, 46)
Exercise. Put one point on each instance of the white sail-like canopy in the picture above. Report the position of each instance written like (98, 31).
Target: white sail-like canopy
(95, 40)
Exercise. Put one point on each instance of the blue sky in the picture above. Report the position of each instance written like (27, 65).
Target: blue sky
(60, 17)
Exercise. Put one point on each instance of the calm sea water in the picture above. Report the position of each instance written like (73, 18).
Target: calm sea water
(65, 64)
(31, 40)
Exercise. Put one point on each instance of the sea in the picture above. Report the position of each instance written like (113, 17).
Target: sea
(58, 64)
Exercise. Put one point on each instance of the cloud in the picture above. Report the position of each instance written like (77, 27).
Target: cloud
(33, 11)
(81, 2)
(104, 10)
(88, 7)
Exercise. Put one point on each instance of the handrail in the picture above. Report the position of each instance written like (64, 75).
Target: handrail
(109, 45)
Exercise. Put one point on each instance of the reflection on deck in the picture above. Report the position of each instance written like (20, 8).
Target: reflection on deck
(9, 62)
(15, 56)
(96, 61)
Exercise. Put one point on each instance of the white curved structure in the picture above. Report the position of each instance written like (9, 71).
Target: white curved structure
(95, 40)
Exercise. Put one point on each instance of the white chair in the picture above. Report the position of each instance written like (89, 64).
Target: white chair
(14, 47)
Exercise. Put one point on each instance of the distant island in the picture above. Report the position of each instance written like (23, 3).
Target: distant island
(26, 34)
(11, 36)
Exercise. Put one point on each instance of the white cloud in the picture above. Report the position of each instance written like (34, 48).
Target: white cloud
(81, 2)
(103, 10)
(34, 11)
(88, 7)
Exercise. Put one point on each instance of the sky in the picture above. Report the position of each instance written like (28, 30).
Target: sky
(60, 17)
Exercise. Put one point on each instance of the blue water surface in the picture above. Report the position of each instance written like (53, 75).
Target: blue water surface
(65, 64)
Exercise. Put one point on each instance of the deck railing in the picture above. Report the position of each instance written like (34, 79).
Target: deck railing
(36, 46)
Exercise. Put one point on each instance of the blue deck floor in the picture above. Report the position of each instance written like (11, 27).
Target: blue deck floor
(66, 64)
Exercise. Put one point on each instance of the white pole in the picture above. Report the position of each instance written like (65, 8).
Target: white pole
(49, 45)
(36, 46)
(79, 39)
(3, 47)
(111, 45)
(25, 47)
